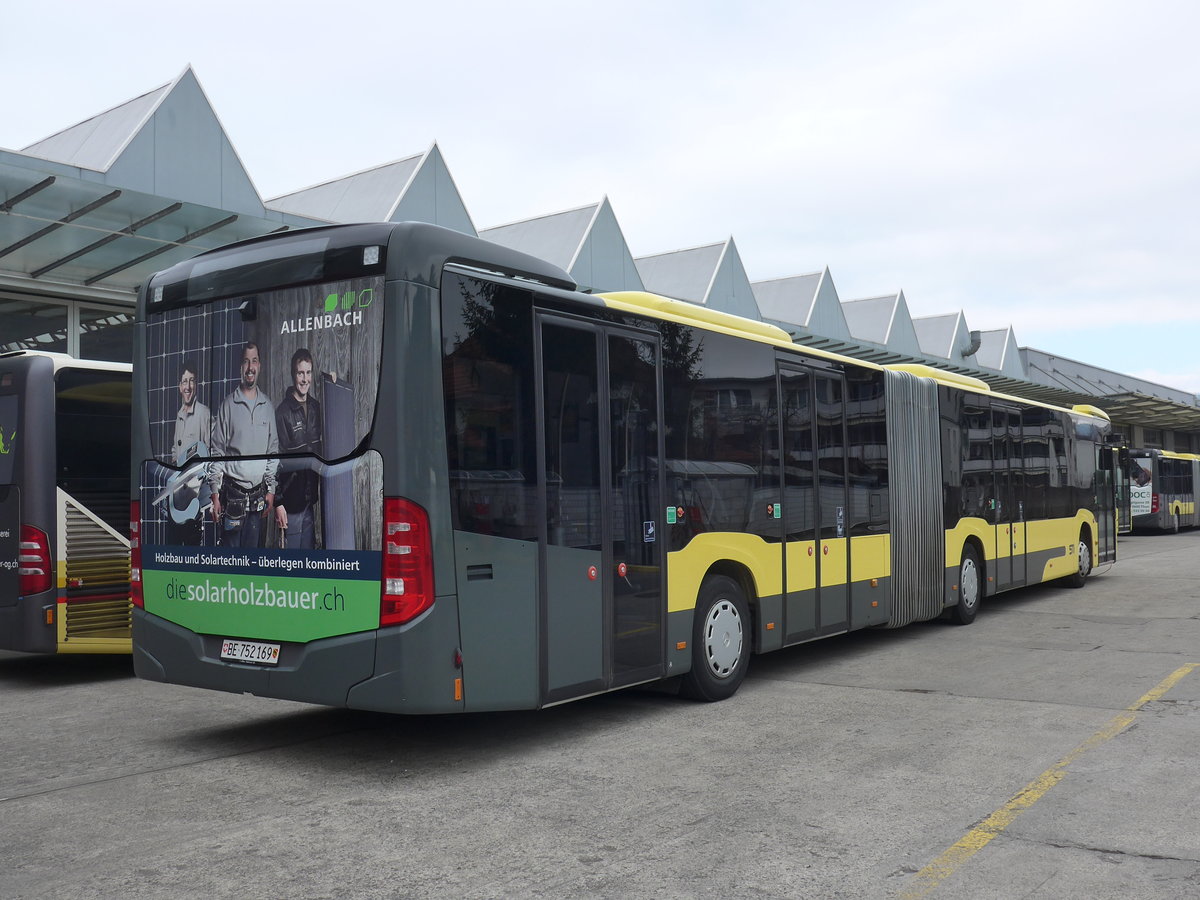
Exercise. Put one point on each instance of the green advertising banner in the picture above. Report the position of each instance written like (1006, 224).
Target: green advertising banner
(232, 596)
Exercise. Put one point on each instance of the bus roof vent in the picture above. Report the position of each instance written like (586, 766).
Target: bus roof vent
(634, 301)
(941, 375)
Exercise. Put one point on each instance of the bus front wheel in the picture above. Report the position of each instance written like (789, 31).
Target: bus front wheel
(970, 587)
(720, 641)
(1084, 566)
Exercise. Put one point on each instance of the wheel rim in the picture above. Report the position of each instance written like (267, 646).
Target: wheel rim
(723, 639)
(968, 584)
(1085, 558)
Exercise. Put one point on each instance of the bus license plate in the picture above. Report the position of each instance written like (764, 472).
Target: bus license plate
(251, 652)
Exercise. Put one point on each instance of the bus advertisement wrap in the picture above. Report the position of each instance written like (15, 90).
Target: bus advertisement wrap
(1141, 487)
(247, 529)
(284, 595)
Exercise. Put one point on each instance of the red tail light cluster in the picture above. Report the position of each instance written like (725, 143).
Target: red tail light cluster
(407, 562)
(135, 555)
(34, 565)
(1154, 504)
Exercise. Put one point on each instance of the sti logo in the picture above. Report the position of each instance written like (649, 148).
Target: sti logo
(349, 300)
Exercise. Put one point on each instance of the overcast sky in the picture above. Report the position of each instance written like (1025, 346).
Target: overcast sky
(1032, 164)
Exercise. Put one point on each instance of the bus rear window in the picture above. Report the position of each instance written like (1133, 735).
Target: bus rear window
(325, 339)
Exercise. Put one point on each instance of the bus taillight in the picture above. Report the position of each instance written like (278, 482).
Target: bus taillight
(136, 597)
(407, 562)
(1154, 504)
(33, 561)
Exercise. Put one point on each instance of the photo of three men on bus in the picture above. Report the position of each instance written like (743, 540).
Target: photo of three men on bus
(240, 494)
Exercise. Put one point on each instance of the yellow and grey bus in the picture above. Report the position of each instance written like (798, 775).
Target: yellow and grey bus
(439, 478)
(64, 486)
(1163, 489)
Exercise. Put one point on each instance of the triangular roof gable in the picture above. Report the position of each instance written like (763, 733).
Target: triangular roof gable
(555, 237)
(730, 290)
(682, 274)
(96, 143)
(432, 196)
(806, 301)
(999, 352)
(884, 321)
(168, 142)
(603, 261)
(417, 188)
(946, 337)
(712, 275)
(366, 196)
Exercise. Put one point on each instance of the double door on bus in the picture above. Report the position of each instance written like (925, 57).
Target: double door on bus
(1008, 512)
(815, 508)
(599, 442)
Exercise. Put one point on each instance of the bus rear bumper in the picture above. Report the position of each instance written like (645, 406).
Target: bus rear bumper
(23, 624)
(321, 672)
(336, 671)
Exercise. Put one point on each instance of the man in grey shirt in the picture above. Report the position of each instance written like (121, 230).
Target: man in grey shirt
(244, 489)
(193, 422)
(193, 427)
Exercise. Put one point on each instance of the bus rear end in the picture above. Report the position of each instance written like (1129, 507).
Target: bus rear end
(64, 548)
(267, 558)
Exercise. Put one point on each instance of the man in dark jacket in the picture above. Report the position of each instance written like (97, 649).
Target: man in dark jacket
(298, 422)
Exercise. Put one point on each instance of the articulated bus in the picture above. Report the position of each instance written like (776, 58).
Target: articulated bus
(441, 479)
(64, 499)
(1163, 491)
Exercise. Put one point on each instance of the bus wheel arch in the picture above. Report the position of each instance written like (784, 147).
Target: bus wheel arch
(1083, 559)
(722, 637)
(972, 576)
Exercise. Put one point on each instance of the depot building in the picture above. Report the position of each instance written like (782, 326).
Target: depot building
(87, 214)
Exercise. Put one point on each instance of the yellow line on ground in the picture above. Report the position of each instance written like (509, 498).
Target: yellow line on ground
(926, 880)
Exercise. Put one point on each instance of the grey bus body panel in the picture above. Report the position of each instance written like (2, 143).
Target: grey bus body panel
(863, 594)
(23, 624)
(499, 624)
(679, 631)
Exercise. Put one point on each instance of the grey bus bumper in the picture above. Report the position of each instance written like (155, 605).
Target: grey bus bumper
(337, 671)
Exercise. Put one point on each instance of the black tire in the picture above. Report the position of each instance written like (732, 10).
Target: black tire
(970, 588)
(1083, 555)
(721, 641)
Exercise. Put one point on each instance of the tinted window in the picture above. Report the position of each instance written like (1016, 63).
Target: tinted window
(977, 487)
(92, 441)
(866, 443)
(487, 380)
(721, 433)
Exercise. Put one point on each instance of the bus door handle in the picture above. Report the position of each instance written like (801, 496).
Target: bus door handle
(479, 573)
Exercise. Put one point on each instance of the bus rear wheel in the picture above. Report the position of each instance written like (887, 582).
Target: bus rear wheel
(970, 588)
(720, 641)
(1084, 567)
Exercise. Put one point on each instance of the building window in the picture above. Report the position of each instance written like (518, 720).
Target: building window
(33, 325)
(1152, 437)
(105, 334)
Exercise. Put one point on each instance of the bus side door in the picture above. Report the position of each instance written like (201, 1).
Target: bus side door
(817, 550)
(599, 432)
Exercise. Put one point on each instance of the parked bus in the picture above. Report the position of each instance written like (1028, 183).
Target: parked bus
(1163, 489)
(511, 494)
(64, 486)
